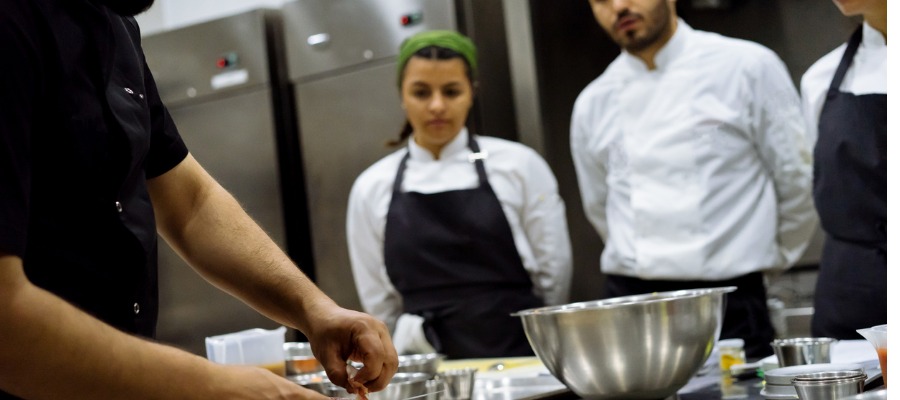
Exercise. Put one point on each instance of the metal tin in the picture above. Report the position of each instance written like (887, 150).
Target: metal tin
(870, 395)
(802, 351)
(829, 385)
(779, 381)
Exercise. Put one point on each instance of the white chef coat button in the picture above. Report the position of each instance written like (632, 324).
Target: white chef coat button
(119, 206)
(137, 308)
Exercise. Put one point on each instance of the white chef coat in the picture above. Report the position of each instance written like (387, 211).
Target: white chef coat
(524, 185)
(697, 170)
(866, 75)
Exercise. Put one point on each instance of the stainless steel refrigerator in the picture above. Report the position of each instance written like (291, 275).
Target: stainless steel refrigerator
(225, 87)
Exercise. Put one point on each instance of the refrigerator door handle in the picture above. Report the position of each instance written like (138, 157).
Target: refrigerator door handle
(318, 40)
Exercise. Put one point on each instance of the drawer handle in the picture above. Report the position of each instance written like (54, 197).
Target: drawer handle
(318, 40)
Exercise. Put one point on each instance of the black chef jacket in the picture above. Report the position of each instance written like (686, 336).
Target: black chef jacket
(82, 128)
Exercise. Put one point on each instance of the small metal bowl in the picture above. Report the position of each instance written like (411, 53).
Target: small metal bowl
(830, 385)
(424, 363)
(880, 394)
(402, 386)
(317, 382)
(779, 381)
(299, 359)
(801, 351)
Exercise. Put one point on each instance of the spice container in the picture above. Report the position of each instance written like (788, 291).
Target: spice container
(259, 347)
(731, 352)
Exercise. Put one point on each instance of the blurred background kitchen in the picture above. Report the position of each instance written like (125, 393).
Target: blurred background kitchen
(286, 102)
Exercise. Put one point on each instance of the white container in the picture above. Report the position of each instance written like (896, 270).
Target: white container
(259, 347)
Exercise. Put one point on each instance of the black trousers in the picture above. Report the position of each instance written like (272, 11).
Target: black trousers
(746, 312)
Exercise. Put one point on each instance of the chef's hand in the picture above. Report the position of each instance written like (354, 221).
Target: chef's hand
(247, 382)
(338, 335)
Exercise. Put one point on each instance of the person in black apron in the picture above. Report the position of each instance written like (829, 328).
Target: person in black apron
(850, 190)
(451, 255)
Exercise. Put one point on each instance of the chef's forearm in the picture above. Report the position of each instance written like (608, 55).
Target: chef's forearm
(234, 253)
(52, 350)
(211, 231)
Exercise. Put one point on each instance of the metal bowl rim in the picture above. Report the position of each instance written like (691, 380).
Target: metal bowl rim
(829, 375)
(412, 377)
(415, 358)
(802, 341)
(784, 376)
(634, 300)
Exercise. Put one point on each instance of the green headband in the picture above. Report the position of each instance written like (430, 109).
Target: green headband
(440, 38)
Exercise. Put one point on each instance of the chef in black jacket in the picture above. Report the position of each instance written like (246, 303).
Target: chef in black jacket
(91, 166)
(845, 104)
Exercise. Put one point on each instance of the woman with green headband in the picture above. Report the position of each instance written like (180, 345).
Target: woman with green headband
(453, 232)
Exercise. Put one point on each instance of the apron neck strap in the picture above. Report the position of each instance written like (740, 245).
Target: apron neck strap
(847, 59)
(479, 164)
(478, 158)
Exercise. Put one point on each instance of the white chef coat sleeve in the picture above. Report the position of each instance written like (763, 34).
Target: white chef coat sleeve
(779, 132)
(812, 100)
(544, 223)
(365, 241)
(590, 167)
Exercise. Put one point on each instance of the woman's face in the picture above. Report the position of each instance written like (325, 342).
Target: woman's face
(437, 96)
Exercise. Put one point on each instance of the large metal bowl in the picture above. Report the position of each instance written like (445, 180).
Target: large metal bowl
(634, 347)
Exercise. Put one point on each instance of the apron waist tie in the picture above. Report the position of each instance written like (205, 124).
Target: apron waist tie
(415, 302)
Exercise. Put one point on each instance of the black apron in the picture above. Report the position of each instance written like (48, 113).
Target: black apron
(746, 313)
(850, 188)
(452, 257)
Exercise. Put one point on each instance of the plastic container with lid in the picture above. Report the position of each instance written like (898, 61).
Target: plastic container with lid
(731, 352)
(259, 347)
(779, 383)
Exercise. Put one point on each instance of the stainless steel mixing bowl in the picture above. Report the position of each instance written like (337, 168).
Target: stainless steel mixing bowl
(403, 386)
(635, 347)
(427, 363)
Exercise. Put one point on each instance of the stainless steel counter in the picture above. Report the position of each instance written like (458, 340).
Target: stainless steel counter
(546, 387)
(519, 388)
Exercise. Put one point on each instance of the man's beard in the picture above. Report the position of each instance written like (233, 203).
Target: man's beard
(657, 21)
(127, 8)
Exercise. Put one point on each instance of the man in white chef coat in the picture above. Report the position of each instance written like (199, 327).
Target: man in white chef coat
(692, 163)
